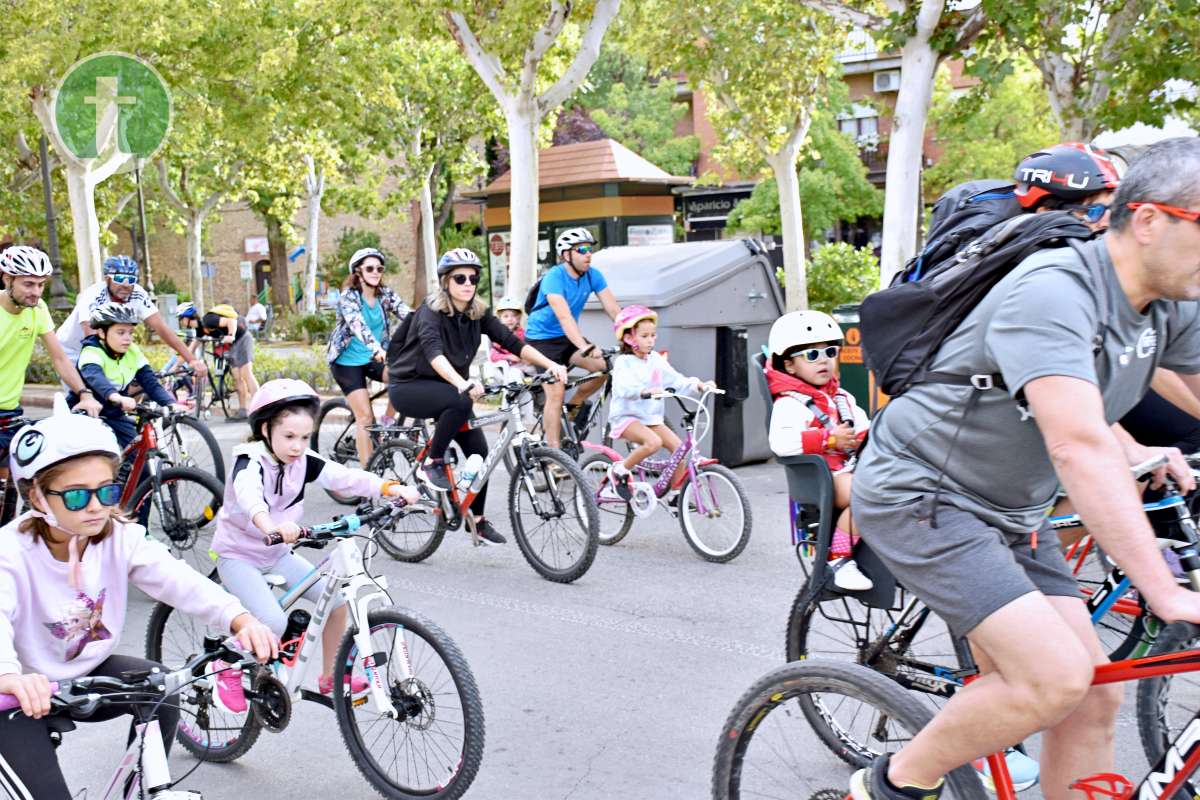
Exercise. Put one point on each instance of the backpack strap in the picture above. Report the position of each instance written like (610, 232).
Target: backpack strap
(545, 302)
(822, 417)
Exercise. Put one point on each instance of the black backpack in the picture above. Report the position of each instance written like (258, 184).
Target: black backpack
(531, 303)
(904, 326)
(960, 216)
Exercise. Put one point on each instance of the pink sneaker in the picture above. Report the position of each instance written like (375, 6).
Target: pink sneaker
(229, 687)
(357, 683)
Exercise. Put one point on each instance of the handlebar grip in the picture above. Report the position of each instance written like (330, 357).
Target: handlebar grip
(1149, 465)
(277, 538)
(10, 701)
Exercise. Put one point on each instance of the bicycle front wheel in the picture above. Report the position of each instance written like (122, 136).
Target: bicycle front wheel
(763, 750)
(418, 532)
(190, 443)
(714, 514)
(231, 401)
(334, 437)
(554, 515)
(181, 514)
(433, 747)
(1167, 705)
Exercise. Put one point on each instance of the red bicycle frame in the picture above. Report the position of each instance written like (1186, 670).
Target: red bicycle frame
(139, 449)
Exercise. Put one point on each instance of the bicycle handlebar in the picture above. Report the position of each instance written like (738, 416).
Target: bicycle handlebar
(1149, 465)
(347, 523)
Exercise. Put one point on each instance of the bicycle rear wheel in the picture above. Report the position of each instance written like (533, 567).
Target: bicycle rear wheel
(207, 730)
(762, 750)
(616, 516)
(554, 515)
(714, 513)
(181, 514)
(190, 443)
(334, 437)
(435, 745)
(417, 533)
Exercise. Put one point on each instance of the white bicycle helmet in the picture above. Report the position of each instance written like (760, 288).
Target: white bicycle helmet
(58, 437)
(800, 328)
(21, 259)
(509, 303)
(573, 238)
(458, 257)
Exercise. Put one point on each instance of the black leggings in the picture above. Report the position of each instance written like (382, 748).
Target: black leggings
(29, 767)
(1156, 422)
(436, 399)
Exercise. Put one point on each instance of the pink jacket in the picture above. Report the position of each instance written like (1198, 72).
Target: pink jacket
(48, 627)
(258, 482)
(498, 354)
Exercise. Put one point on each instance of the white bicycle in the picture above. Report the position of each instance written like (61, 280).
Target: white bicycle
(417, 731)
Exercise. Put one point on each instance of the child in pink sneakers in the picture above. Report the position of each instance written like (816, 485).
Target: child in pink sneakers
(265, 494)
(813, 414)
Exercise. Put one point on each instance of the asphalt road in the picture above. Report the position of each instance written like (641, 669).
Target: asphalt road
(613, 687)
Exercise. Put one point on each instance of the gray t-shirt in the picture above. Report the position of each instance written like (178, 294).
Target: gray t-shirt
(1041, 319)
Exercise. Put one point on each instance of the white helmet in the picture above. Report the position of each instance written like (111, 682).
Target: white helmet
(56, 438)
(508, 303)
(799, 328)
(22, 259)
(572, 238)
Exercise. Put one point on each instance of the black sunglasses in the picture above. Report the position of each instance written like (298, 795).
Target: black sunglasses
(77, 499)
(461, 279)
(373, 269)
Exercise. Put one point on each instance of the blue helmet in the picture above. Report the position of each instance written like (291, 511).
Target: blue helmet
(120, 265)
(185, 310)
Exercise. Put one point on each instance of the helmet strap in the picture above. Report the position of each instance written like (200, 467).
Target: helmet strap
(74, 569)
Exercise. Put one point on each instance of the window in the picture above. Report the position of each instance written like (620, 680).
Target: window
(861, 122)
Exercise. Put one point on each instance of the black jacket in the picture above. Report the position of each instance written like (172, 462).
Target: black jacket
(427, 334)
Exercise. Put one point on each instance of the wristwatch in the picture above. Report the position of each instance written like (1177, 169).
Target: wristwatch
(82, 392)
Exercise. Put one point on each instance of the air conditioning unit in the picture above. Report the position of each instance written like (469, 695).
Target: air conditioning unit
(887, 81)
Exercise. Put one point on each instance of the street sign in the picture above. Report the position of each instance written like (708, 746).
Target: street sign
(247, 270)
(207, 269)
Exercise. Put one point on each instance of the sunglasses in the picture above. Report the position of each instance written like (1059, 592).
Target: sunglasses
(585, 249)
(814, 354)
(463, 280)
(77, 499)
(1092, 212)
(127, 280)
(372, 269)
(1174, 211)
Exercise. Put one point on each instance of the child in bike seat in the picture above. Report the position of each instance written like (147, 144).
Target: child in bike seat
(67, 566)
(813, 414)
(504, 367)
(265, 494)
(636, 415)
(113, 366)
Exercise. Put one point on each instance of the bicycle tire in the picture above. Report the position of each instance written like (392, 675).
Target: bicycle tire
(419, 699)
(231, 402)
(341, 448)
(687, 522)
(247, 735)
(213, 447)
(585, 542)
(802, 643)
(752, 714)
(181, 536)
(615, 519)
(1153, 696)
(399, 544)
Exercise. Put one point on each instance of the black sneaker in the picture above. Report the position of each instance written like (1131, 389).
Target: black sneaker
(579, 418)
(871, 783)
(489, 533)
(434, 474)
(622, 483)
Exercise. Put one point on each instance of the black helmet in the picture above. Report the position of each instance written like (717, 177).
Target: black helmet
(112, 313)
(1069, 172)
(458, 257)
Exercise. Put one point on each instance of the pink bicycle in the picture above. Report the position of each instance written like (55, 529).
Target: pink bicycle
(707, 498)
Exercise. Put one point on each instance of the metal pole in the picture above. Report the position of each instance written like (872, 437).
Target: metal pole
(137, 171)
(58, 290)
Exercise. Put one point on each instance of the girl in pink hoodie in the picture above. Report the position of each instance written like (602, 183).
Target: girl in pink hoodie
(265, 494)
(65, 570)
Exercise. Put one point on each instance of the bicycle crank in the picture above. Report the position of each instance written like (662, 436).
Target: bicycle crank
(643, 500)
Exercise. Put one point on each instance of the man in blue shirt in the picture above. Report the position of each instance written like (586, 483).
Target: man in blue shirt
(553, 327)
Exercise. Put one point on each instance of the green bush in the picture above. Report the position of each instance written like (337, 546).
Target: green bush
(310, 327)
(839, 273)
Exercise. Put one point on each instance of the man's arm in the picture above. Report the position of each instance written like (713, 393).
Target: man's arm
(157, 324)
(609, 301)
(69, 374)
(1092, 467)
(1182, 381)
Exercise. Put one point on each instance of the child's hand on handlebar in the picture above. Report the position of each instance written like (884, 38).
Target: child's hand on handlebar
(255, 637)
(32, 691)
(182, 407)
(408, 494)
(127, 404)
(290, 532)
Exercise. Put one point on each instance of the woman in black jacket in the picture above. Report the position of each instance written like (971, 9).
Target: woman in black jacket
(427, 365)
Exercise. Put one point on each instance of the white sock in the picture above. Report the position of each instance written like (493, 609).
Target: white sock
(619, 469)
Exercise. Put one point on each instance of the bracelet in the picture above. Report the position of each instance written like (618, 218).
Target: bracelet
(82, 392)
(386, 487)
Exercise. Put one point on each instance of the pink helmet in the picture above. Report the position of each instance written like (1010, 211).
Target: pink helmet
(628, 318)
(274, 395)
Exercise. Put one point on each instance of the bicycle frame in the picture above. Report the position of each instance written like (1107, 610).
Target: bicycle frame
(146, 744)
(140, 449)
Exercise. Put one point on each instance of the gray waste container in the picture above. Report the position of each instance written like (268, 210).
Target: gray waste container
(716, 302)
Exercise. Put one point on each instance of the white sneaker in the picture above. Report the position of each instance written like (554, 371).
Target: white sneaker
(848, 577)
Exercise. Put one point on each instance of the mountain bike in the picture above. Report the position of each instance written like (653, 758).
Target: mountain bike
(221, 386)
(142, 770)
(707, 498)
(417, 731)
(552, 509)
(760, 752)
(910, 645)
(177, 504)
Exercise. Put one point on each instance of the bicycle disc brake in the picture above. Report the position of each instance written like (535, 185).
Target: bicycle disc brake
(643, 500)
(270, 701)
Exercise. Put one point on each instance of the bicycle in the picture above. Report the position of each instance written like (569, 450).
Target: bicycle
(334, 437)
(706, 492)
(908, 644)
(221, 385)
(142, 770)
(564, 537)
(433, 705)
(177, 504)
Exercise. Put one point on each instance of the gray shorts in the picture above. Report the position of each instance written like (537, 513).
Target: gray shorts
(247, 583)
(965, 570)
(241, 352)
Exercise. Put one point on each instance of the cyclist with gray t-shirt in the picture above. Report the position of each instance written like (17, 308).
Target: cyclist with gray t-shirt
(954, 502)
